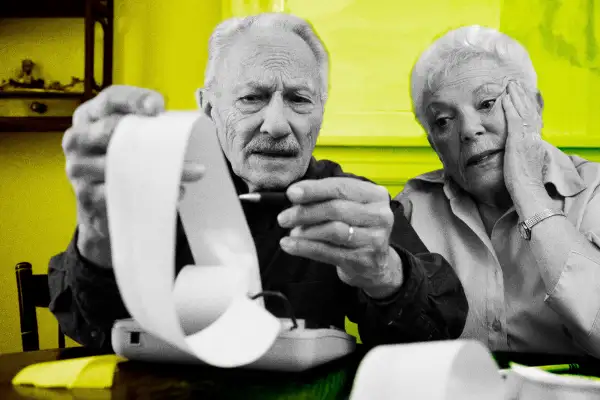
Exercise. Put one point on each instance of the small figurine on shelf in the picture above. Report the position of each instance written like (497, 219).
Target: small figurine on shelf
(26, 79)
(69, 87)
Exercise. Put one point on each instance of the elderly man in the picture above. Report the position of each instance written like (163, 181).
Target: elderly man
(516, 217)
(342, 249)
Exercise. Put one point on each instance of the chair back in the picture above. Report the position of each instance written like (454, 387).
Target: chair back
(33, 292)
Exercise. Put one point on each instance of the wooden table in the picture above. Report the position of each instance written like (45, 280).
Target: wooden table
(134, 380)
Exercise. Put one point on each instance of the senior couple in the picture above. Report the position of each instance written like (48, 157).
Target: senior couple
(502, 245)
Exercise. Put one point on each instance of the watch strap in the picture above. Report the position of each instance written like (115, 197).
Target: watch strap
(542, 215)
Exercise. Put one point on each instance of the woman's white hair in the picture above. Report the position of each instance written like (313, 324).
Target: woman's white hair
(461, 45)
(225, 33)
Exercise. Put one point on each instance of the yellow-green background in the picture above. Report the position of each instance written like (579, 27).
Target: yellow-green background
(368, 125)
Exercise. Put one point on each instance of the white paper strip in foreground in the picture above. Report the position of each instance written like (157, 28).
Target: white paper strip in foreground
(443, 370)
(207, 311)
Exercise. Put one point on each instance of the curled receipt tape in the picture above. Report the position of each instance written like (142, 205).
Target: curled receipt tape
(206, 311)
(444, 370)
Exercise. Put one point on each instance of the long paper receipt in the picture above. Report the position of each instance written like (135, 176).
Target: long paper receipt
(206, 310)
(441, 370)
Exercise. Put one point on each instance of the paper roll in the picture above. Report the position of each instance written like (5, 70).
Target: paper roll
(444, 370)
(530, 383)
(207, 311)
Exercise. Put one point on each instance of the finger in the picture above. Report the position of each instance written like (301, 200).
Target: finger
(348, 212)
(524, 104)
(119, 99)
(314, 250)
(192, 172)
(91, 138)
(91, 199)
(526, 96)
(310, 191)
(534, 118)
(513, 120)
(335, 233)
(69, 140)
(89, 169)
(516, 97)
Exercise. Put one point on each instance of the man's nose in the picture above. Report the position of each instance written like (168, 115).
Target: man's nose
(275, 122)
(471, 127)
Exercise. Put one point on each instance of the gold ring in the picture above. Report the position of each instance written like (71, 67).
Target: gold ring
(350, 234)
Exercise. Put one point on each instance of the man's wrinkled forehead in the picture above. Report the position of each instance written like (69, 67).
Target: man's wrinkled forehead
(261, 56)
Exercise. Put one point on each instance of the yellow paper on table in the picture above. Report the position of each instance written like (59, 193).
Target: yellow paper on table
(89, 372)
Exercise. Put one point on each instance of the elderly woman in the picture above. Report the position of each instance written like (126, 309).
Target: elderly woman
(517, 218)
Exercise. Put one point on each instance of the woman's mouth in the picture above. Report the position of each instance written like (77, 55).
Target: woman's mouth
(482, 157)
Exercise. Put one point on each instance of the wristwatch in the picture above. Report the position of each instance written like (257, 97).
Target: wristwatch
(525, 226)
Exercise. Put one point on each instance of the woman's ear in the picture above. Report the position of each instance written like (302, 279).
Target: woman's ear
(540, 101)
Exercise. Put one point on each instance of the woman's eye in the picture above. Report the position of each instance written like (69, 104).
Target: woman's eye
(487, 104)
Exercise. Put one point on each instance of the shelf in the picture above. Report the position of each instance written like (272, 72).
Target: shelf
(43, 9)
(30, 94)
(93, 12)
(35, 124)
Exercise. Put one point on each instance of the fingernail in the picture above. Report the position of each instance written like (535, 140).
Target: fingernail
(283, 218)
(152, 106)
(196, 168)
(295, 193)
(192, 172)
(296, 231)
(286, 242)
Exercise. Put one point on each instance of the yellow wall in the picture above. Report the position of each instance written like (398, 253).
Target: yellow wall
(368, 126)
(36, 203)
(160, 45)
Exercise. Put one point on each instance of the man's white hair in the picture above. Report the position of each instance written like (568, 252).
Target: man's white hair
(459, 46)
(226, 32)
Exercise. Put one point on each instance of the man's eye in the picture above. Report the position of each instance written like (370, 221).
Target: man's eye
(487, 104)
(441, 122)
(251, 98)
(299, 99)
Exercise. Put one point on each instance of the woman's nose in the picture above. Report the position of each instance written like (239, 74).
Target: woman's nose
(471, 126)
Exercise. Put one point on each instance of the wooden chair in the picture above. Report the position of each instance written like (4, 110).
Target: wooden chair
(33, 292)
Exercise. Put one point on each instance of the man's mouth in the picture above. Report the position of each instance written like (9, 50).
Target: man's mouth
(478, 158)
(276, 154)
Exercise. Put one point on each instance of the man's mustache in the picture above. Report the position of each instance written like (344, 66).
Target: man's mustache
(272, 146)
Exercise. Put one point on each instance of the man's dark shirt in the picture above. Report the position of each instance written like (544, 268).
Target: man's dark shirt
(430, 305)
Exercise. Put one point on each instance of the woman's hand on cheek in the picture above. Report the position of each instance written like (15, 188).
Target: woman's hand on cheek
(525, 155)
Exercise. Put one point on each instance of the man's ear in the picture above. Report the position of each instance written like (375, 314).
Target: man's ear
(202, 102)
(431, 142)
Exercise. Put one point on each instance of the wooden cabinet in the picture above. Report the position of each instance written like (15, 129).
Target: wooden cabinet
(92, 12)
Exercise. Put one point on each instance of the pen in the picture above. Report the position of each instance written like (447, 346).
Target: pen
(553, 368)
(559, 367)
(275, 198)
